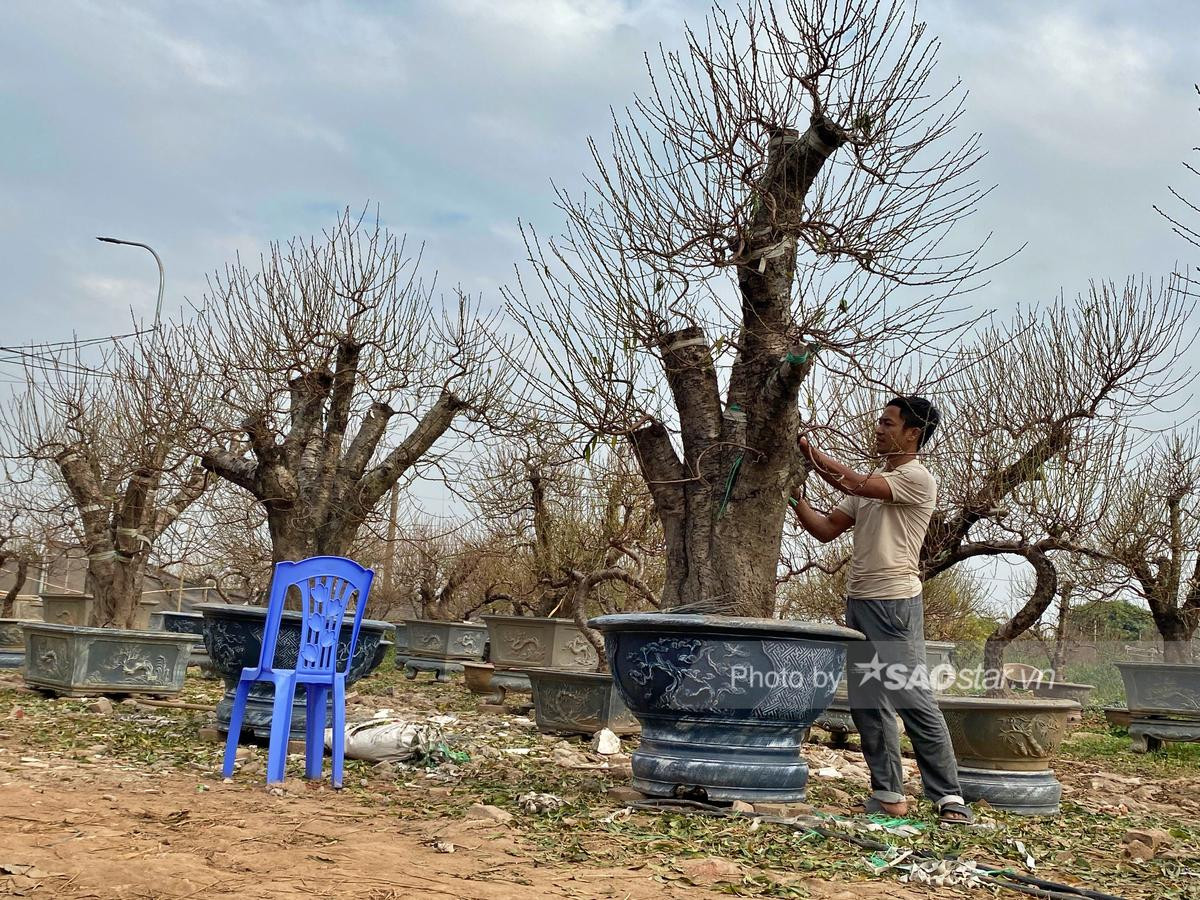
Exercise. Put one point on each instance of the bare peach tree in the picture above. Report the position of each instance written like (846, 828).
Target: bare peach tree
(1151, 537)
(570, 522)
(115, 431)
(344, 375)
(24, 532)
(1039, 422)
(783, 187)
(1040, 414)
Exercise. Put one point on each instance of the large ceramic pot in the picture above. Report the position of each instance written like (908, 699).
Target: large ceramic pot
(442, 647)
(1004, 747)
(78, 661)
(495, 684)
(1163, 701)
(568, 701)
(12, 643)
(401, 643)
(180, 622)
(1066, 690)
(233, 637)
(445, 640)
(1161, 687)
(939, 660)
(523, 642)
(28, 609)
(723, 701)
(66, 609)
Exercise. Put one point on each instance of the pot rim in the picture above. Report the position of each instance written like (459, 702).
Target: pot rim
(440, 622)
(140, 634)
(1031, 704)
(245, 611)
(738, 625)
(500, 618)
(1063, 684)
(1158, 665)
(566, 674)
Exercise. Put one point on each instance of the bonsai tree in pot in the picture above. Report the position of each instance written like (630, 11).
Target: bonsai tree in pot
(570, 515)
(575, 693)
(783, 177)
(1151, 544)
(113, 429)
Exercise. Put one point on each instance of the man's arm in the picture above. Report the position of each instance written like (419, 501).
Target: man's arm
(844, 478)
(823, 527)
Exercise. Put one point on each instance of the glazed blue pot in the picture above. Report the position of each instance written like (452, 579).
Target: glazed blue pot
(233, 637)
(723, 701)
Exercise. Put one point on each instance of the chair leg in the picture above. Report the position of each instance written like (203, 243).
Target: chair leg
(339, 727)
(281, 726)
(314, 729)
(236, 714)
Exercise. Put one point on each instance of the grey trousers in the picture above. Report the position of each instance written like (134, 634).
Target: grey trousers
(888, 675)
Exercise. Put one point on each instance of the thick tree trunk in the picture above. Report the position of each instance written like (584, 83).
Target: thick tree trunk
(1058, 658)
(1026, 617)
(1177, 632)
(10, 599)
(722, 506)
(116, 586)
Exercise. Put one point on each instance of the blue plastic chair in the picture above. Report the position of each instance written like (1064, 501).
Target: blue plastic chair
(327, 585)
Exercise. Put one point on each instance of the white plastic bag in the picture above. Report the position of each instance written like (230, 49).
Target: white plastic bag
(390, 740)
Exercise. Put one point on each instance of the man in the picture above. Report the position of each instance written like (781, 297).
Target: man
(889, 510)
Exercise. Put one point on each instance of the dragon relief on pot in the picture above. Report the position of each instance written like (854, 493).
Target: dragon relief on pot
(50, 658)
(430, 640)
(524, 647)
(226, 643)
(581, 651)
(468, 642)
(130, 665)
(699, 673)
(1171, 696)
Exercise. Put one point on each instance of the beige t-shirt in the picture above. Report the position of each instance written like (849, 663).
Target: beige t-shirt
(888, 536)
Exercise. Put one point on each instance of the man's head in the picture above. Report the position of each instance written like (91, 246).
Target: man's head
(905, 425)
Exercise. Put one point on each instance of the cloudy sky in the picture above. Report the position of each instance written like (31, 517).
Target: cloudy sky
(208, 129)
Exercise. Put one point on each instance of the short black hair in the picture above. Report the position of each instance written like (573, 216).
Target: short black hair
(917, 412)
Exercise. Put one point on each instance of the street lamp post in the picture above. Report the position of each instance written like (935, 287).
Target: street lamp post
(161, 275)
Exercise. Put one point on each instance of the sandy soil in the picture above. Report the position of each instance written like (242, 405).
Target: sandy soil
(99, 833)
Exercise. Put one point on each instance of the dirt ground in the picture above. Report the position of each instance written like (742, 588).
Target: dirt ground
(100, 833)
(124, 801)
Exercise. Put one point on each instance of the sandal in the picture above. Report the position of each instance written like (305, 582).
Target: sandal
(953, 813)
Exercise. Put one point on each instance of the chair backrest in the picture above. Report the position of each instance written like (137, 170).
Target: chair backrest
(327, 585)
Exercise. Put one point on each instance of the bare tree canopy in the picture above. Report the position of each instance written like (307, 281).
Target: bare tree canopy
(116, 439)
(1040, 418)
(1185, 230)
(762, 201)
(342, 374)
(1150, 537)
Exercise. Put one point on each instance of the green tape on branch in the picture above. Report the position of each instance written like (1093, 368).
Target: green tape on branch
(797, 359)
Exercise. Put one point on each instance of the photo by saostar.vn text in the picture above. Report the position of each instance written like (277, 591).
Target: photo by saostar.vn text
(891, 676)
